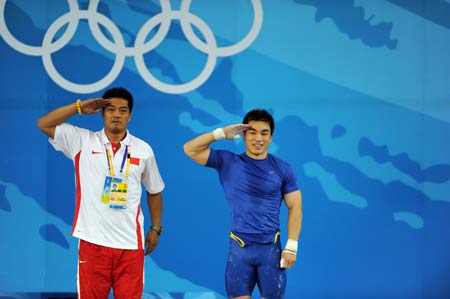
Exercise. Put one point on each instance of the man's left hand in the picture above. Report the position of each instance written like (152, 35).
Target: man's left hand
(289, 259)
(151, 240)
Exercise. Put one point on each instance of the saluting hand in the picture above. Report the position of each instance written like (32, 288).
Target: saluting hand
(92, 106)
(232, 131)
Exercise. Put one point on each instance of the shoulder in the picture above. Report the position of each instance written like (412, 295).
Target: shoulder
(223, 153)
(138, 142)
(279, 161)
(218, 157)
(284, 167)
(138, 145)
(69, 129)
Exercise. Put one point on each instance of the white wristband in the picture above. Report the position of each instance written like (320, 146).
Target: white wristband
(219, 134)
(291, 246)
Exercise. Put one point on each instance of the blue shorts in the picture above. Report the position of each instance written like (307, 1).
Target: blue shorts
(255, 264)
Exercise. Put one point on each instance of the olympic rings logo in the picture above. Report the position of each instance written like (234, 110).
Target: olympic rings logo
(141, 45)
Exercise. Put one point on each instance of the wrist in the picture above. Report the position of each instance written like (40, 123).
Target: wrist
(219, 134)
(78, 105)
(291, 246)
(157, 229)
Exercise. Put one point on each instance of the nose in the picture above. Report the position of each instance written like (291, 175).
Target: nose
(116, 113)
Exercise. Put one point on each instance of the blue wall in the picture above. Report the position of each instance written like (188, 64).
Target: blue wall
(359, 91)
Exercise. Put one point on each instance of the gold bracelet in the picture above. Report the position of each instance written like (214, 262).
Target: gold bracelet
(79, 106)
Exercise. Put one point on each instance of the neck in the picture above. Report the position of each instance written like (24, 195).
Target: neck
(115, 138)
(261, 156)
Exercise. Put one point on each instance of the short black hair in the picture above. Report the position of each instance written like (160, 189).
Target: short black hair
(119, 92)
(260, 115)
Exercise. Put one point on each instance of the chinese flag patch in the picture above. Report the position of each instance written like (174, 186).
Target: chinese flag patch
(134, 161)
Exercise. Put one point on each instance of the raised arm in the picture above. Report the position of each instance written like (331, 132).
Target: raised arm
(51, 120)
(293, 202)
(198, 148)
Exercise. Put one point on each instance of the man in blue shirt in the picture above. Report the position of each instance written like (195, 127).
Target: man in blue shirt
(255, 184)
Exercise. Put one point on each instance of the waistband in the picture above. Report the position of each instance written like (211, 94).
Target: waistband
(245, 239)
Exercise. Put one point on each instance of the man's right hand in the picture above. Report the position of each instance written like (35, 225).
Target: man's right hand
(232, 131)
(198, 148)
(92, 106)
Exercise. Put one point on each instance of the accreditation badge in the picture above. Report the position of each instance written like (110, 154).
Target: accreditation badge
(119, 195)
(110, 183)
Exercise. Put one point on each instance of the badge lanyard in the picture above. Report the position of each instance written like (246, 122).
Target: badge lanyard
(126, 156)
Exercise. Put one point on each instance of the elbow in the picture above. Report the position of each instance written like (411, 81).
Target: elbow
(187, 151)
(49, 131)
(196, 153)
(40, 124)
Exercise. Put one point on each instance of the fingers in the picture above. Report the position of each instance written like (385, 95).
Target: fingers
(282, 263)
(233, 130)
(91, 106)
(99, 103)
(150, 248)
(286, 264)
(103, 102)
(151, 241)
(239, 127)
(289, 265)
(287, 260)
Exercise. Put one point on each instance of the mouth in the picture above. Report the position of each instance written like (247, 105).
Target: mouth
(258, 145)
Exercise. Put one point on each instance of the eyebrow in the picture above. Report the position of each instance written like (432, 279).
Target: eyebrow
(120, 107)
(263, 130)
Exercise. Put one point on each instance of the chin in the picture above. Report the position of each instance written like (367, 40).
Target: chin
(116, 131)
(258, 153)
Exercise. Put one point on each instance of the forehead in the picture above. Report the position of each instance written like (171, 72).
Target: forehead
(259, 125)
(118, 102)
